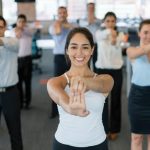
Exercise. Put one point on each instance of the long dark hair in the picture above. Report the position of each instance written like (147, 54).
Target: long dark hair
(111, 14)
(74, 31)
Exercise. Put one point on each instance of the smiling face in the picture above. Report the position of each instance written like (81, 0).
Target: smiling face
(79, 50)
(144, 34)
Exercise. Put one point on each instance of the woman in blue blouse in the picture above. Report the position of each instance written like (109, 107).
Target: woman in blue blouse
(139, 97)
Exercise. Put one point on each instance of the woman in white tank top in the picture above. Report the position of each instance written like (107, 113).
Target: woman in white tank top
(80, 95)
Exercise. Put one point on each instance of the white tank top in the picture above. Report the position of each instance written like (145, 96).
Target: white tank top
(82, 131)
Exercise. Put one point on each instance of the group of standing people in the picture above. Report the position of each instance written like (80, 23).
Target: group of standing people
(107, 58)
(70, 89)
(80, 94)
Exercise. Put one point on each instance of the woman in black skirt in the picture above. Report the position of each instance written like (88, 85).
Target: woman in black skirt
(139, 97)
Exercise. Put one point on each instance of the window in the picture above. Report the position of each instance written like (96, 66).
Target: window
(76, 9)
(9, 10)
(122, 8)
(46, 9)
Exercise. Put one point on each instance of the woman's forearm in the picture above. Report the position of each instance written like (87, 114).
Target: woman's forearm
(68, 102)
(57, 94)
(134, 52)
(101, 83)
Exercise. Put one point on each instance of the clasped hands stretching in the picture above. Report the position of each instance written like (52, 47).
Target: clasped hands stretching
(76, 104)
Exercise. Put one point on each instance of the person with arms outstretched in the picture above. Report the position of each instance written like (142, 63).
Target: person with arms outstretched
(9, 96)
(139, 97)
(80, 96)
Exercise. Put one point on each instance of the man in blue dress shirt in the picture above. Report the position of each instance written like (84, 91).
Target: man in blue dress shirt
(9, 98)
(59, 31)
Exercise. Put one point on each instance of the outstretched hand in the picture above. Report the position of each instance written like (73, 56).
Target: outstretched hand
(76, 97)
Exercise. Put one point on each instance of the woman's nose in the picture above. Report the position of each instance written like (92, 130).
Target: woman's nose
(79, 51)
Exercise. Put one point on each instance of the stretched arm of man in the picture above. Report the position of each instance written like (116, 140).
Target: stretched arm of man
(55, 28)
(10, 43)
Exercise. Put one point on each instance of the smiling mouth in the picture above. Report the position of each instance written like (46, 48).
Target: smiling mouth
(79, 59)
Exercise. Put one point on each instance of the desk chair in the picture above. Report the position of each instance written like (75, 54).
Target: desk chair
(36, 56)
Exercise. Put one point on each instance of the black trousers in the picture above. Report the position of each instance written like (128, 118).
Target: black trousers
(60, 67)
(112, 118)
(25, 75)
(59, 146)
(10, 106)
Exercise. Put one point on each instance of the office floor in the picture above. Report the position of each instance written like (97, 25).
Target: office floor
(38, 129)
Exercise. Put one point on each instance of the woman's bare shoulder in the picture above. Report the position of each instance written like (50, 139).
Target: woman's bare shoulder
(57, 81)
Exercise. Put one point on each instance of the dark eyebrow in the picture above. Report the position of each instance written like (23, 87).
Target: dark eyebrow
(77, 44)
(73, 44)
(85, 44)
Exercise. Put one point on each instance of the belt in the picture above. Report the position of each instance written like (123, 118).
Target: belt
(5, 89)
(24, 57)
